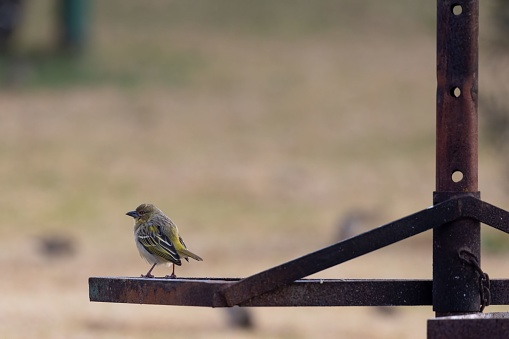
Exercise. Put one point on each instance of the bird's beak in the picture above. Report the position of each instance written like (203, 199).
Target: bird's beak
(133, 214)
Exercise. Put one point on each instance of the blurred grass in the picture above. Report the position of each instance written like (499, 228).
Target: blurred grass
(257, 126)
(156, 41)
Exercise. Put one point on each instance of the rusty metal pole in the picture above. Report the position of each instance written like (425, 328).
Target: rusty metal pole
(455, 282)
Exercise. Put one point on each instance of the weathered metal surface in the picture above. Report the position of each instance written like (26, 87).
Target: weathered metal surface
(474, 326)
(499, 292)
(456, 287)
(457, 67)
(341, 252)
(158, 291)
(348, 293)
(456, 284)
(315, 292)
(486, 213)
(305, 292)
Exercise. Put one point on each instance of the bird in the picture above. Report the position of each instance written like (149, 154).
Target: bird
(157, 239)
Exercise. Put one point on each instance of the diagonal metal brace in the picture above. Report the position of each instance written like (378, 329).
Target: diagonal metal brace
(343, 251)
(486, 213)
(461, 206)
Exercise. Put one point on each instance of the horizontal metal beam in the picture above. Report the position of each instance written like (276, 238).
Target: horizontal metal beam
(348, 293)
(306, 292)
(479, 325)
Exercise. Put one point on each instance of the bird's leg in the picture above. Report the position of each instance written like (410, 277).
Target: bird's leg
(148, 275)
(172, 276)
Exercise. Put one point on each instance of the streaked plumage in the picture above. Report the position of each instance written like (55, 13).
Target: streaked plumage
(157, 238)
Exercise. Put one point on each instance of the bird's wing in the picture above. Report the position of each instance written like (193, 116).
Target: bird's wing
(184, 252)
(182, 241)
(158, 243)
(183, 244)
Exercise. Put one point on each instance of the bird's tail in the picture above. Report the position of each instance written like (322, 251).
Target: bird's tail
(186, 253)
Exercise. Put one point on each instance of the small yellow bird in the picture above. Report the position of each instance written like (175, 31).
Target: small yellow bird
(157, 238)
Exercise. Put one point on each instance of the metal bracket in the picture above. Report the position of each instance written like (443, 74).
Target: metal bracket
(280, 285)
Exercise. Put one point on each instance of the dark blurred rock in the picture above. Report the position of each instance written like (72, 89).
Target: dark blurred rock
(56, 246)
(240, 317)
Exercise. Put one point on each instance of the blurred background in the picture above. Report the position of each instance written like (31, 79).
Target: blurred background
(264, 129)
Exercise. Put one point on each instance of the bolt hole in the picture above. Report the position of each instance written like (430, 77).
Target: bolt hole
(457, 9)
(457, 176)
(456, 92)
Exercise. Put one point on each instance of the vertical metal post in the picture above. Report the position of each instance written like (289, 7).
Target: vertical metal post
(455, 283)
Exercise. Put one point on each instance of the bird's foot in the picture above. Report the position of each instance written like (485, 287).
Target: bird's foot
(173, 276)
(147, 275)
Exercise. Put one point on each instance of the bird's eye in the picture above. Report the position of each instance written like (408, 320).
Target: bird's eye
(141, 212)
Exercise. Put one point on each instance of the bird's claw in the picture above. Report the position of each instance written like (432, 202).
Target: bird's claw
(147, 276)
(173, 276)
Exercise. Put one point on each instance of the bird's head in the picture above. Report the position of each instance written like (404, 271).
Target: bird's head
(143, 212)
